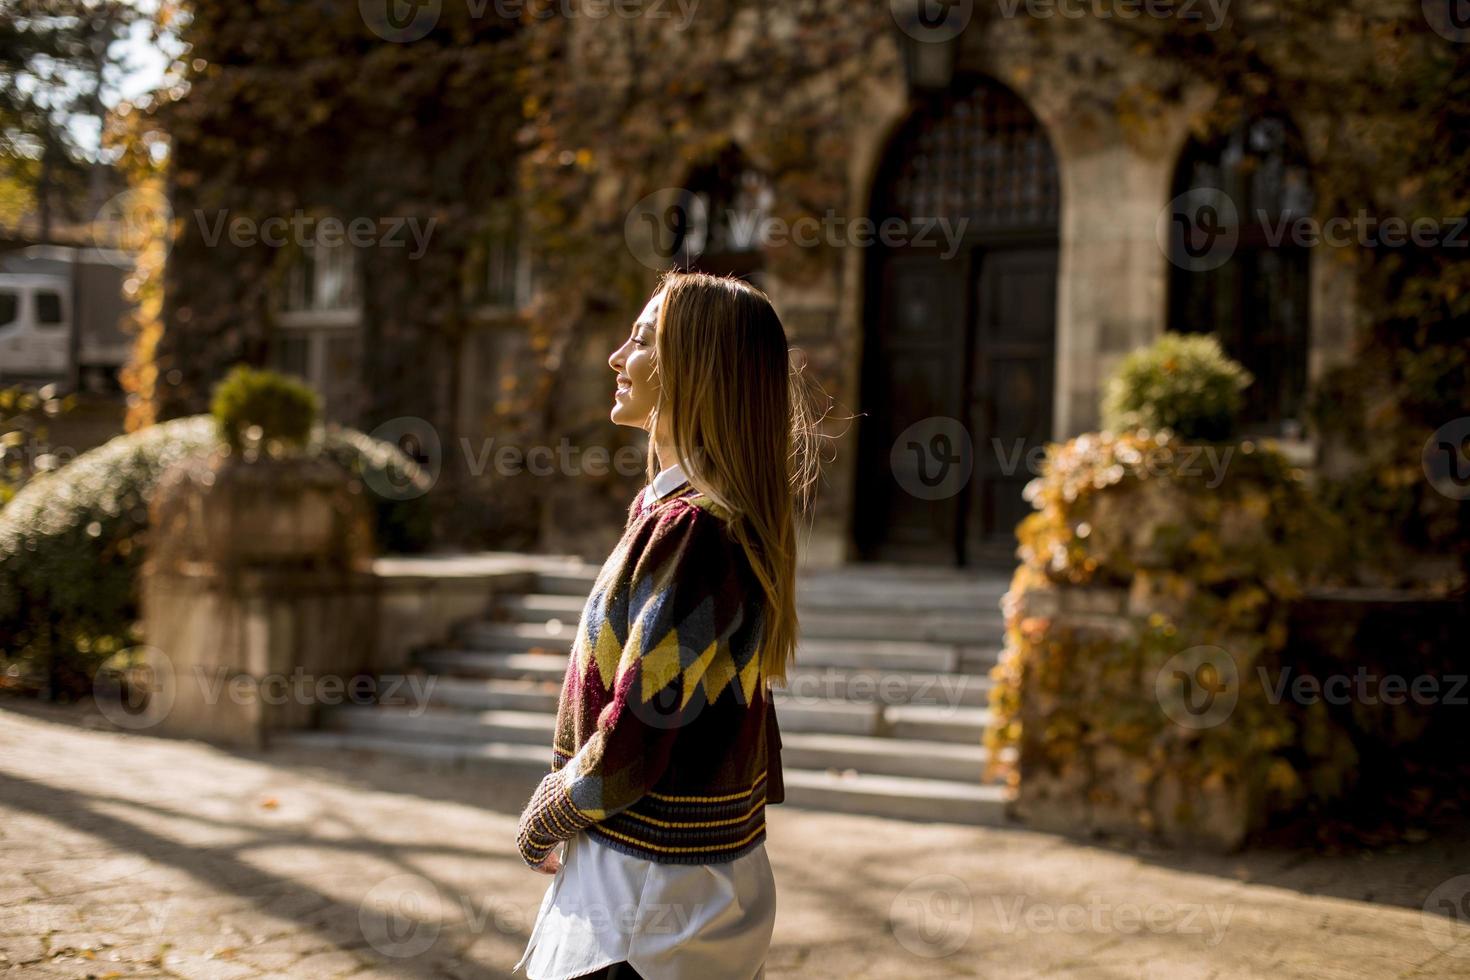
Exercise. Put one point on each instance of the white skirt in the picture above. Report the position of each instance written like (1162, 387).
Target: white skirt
(669, 921)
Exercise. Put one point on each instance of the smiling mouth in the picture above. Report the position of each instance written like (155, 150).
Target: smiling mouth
(625, 385)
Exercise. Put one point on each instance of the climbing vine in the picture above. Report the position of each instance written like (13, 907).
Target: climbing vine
(1387, 88)
(781, 81)
(1144, 550)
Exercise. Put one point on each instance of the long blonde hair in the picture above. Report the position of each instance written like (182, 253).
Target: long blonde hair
(741, 419)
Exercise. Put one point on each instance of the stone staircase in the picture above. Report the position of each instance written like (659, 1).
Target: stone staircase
(884, 714)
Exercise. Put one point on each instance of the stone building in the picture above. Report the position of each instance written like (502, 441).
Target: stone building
(1034, 247)
(1036, 231)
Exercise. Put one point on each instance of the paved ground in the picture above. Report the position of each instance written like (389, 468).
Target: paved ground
(130, 855)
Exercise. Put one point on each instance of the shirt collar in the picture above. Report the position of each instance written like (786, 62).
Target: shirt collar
(668, 479)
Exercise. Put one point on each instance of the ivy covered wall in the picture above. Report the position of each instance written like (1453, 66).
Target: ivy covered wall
(575, 116)
(286, 115)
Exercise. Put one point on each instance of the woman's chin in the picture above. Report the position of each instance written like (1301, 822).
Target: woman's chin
(621, 416)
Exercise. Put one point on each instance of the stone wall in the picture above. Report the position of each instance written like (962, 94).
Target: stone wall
(1375, 699)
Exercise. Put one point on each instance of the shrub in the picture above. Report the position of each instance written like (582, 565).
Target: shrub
(283, 408)
(25, 418)
(1183, 382)
(72, 541)
(396, 483)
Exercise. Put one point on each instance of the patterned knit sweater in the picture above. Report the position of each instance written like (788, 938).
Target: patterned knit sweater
(666, 741)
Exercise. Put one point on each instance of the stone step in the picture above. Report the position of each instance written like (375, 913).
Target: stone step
(899, 594)
(450, 720)
(815, 750)
(820, 751)
(850, 683)
(890, 597)
(897, 600)
(485, 635)
(530, 681)
(890, 687)
(530, 761)
(495, 664)
(445, 724)
(534, 606)
(938, 723)
(885, 715)
(902, 797)
(981, 626)
(577, 583)
(830, 716)
(905, 655)
(800, 751)
(899, 797)
(928, 626)
(508, 694)
(976, 661)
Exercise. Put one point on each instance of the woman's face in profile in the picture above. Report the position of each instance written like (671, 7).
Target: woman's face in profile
(637, 388)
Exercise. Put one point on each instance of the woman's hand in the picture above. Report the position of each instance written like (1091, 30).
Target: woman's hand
(551, 865)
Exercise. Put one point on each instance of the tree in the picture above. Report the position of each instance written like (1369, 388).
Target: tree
(56, 59)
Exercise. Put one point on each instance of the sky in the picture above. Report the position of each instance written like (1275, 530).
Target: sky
(140, 67)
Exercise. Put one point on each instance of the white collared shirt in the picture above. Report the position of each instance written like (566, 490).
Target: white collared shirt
(605, 906)
(669, 479)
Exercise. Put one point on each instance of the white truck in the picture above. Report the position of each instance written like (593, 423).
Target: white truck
(61, 317)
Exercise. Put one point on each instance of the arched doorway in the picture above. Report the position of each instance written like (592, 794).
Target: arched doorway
(960, 322)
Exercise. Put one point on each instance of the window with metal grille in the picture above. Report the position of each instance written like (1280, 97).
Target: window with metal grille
(980, 155)
(1256, 302)
(724, 217)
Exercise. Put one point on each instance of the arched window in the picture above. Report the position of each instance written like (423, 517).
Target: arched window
(1256, 301)
(979, 159)
(724, 232)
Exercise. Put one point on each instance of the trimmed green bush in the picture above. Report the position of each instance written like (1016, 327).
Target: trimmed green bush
(72, 541)
(283, 408)
(1184, 383)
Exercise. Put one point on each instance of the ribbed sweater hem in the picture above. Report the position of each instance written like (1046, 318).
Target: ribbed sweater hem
(677, 857)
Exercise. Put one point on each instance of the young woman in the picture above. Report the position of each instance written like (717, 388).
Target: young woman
(666, 750)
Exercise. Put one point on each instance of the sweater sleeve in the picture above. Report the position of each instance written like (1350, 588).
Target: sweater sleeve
(678, 609)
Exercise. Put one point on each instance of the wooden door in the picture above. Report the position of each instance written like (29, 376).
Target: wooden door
(915, 371)
(1010, 390)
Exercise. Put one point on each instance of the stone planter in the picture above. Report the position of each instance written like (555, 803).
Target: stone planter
(1103, 784)
(1153, 596)
(259, 602)
(294, 511)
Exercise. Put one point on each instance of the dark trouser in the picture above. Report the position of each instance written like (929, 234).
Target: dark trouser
(613, 971)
